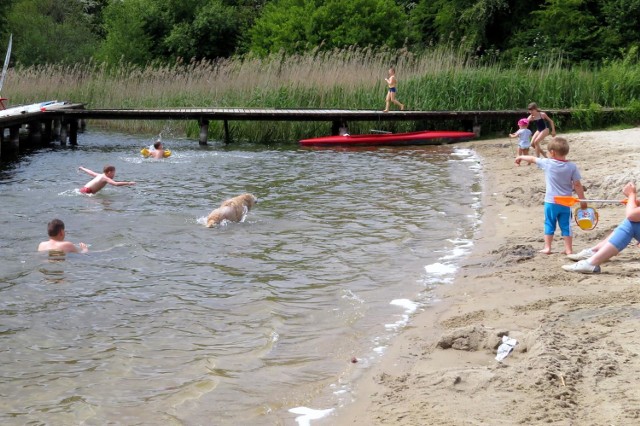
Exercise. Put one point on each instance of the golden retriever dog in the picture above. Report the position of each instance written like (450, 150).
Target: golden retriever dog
(233, 209)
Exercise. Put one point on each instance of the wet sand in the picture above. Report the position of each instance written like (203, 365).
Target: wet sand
(576, 361)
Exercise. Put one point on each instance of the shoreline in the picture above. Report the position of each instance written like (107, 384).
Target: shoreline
(576, 361)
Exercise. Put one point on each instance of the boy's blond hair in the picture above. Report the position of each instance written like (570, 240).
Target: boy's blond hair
(559, 145)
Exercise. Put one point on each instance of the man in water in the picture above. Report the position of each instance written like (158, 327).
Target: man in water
(100, 180)
(56, 242)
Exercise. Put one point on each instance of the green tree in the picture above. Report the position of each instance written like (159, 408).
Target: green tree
(298, 25)
(212, 32)
(5, 6)
(50, 31)
(622, 31)
(568, 28)
(470, 23)
(281, 26)
(140, 31)
(126, 38)
(339, 23)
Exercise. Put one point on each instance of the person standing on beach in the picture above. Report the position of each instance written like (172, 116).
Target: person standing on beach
(524, 136)
(392, 83)
(56, 242)
(543, 124)
(562, 177)
(100, 180)
(590, 259)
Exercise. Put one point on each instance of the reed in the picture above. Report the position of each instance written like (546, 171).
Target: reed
(439, 79)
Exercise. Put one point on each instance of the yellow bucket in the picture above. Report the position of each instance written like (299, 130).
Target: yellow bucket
(587, 219)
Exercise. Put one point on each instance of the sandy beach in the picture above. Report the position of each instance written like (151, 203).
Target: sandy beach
(576, 361)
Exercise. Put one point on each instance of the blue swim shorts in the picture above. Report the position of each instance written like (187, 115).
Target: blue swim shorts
(557, 215)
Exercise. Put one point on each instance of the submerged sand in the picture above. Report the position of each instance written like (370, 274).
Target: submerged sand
(576, 361)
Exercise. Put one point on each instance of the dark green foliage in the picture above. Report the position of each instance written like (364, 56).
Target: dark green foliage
(294, 26)
(508, 32)
(51, 31)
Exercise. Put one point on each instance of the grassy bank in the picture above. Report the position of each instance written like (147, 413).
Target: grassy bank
(347, 79)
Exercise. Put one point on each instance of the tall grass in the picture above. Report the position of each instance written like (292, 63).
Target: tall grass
(352, 78)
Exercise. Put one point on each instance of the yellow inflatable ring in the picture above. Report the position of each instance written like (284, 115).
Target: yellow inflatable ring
(145, 152)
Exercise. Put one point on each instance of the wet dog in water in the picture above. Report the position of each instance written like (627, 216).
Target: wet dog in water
(233, 209)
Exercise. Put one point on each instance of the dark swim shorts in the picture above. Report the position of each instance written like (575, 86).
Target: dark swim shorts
(86, 190)
(392, 89)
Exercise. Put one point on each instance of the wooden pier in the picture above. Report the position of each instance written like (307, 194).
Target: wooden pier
(63, 123)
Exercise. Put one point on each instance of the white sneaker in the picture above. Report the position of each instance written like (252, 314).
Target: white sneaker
(583, 255)
(583, 267)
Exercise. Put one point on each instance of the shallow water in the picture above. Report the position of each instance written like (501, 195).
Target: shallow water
(168, 322)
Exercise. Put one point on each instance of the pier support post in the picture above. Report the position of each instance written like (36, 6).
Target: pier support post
(73, 132)
(46, 134)
(204, 131)
(14, 140)
(227, 135)
(56, 129)
(35, 133)
(83, 125)
(63, 133)
(335, 128)
(476, 127)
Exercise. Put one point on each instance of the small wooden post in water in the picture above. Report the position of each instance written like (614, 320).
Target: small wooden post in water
(35, 133)
(227, 136)
(14, 139)
(46, 135)
(56, 129)
(335, 128)
(204, 131)
(63, 133)
(73, 132)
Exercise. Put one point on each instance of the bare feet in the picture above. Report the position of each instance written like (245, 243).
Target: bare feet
(401, 107)
(545, 251)
(385, 110)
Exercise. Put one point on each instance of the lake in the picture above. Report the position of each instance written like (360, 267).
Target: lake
(165, 321)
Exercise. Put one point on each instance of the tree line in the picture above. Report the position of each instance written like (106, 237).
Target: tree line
(142, 32)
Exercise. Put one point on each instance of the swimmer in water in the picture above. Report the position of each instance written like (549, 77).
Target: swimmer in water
(56, 242)
(100, 180)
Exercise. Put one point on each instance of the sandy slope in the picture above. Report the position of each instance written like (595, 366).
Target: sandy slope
(577, 359)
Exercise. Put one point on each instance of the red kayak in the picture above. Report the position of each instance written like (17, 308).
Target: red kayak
(428, 137)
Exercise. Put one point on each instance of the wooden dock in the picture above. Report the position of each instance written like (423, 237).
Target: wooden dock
(64, 122)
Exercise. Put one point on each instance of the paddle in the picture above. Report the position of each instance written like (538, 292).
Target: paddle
(380, 131)
(568, 200)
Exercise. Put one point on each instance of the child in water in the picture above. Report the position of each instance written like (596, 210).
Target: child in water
(100, 180)
(56, 242)
(158, 150)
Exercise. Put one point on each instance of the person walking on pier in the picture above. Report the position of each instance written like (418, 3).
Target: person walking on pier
(100, 180)
(392, 83)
